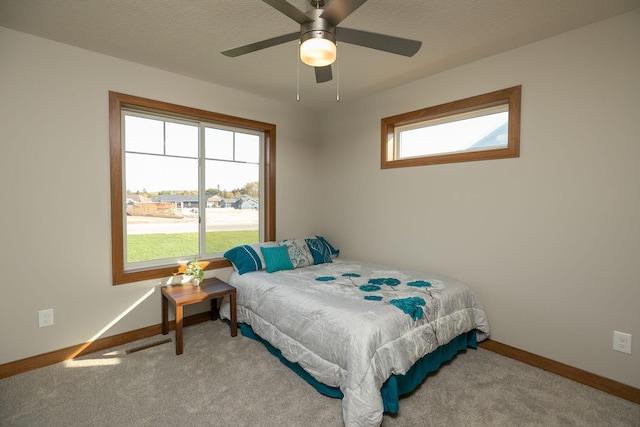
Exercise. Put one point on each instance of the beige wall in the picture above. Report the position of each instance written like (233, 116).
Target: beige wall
(550, 241)
(54, 163)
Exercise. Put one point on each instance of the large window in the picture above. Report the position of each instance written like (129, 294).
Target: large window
(479, 128)
(185, 184)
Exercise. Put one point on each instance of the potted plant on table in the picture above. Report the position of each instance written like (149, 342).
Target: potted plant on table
(195, 271)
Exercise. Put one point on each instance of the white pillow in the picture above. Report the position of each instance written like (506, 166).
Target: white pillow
(299, 252)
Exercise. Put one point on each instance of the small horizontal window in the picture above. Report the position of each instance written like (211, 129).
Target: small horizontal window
(479, 128)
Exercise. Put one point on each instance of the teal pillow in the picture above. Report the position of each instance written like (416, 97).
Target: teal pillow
(334, 252)
(276, 258)
(319, 250)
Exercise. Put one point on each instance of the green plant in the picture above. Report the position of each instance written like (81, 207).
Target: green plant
(194, 269)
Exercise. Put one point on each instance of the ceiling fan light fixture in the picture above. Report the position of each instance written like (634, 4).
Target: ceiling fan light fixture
(318, 48)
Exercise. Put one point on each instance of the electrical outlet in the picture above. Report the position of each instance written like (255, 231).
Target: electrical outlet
(622, 342)
(45, 317)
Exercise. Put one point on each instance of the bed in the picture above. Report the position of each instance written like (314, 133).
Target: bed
(365, 332)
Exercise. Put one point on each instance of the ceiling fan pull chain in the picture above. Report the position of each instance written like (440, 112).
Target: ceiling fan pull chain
(337, 80)
(298, 74)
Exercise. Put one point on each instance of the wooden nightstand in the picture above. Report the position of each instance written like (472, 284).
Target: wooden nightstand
(181, 295)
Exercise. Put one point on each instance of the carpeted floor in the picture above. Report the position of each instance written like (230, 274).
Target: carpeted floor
(224, 381)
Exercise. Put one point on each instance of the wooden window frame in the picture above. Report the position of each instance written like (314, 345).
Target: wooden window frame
(117, 101)
(510, 96)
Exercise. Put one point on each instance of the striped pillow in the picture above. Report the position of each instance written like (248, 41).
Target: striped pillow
(247, 258)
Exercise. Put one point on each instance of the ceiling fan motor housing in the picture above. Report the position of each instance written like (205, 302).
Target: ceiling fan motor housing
(317, 28)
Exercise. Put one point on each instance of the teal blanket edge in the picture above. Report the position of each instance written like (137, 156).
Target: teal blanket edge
(397, 385)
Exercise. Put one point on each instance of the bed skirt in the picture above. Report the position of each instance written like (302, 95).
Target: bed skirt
(396, 385)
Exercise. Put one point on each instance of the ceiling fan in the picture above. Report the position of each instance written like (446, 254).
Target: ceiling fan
(318, 35)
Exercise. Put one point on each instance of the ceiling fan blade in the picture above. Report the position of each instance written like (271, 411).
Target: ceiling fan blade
(338, 10)
(237, 51)
(397, 45)
(323, 74)
(288, 9)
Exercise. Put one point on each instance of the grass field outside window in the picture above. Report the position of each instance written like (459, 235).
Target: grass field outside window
(143, 247)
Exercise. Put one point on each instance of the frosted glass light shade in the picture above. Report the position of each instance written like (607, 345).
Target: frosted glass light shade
(318, 52)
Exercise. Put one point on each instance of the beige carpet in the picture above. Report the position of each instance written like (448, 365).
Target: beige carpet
(224, 381)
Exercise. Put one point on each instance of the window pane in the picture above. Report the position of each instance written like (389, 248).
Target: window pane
(218, 144)
(435, 137)
(247, 148)
(162, 208)
(233, 204)
(181, 140)
(144, 135)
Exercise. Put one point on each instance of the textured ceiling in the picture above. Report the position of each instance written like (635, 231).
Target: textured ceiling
(186, 37)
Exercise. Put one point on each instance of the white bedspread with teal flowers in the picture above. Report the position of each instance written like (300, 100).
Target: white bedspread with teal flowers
(352, 325)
